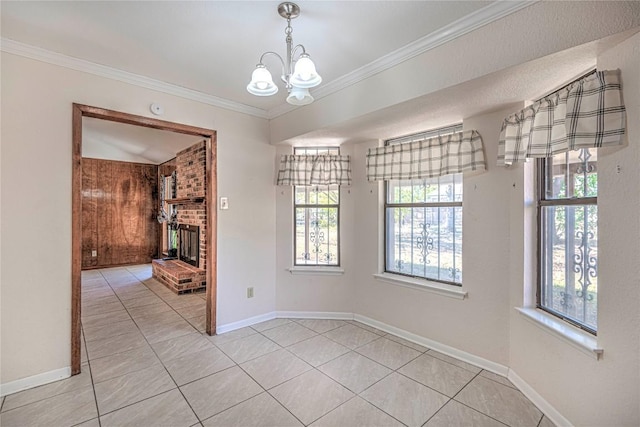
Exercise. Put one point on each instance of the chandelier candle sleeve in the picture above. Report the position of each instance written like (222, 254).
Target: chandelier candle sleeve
(298, 75)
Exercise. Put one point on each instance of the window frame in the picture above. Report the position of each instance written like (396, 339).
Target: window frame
(542, 171)
(310, 206)
(409, 138)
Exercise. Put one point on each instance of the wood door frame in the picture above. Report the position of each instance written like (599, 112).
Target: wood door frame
(211, 182)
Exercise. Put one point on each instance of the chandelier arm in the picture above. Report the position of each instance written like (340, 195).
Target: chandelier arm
(272, 53)
(284, 73)
(293, 51)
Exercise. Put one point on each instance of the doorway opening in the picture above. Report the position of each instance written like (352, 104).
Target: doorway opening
(79, 112)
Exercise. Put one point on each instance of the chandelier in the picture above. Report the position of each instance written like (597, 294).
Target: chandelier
(298, 75)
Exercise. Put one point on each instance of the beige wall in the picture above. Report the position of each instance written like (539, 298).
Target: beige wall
(463, 324)
(36, 205)
(586, 391)
(313, 292)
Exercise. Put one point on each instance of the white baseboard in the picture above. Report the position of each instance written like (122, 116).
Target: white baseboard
(435, 345)
(332, 315)
(221, 329)
(35, 381)
(546, 408)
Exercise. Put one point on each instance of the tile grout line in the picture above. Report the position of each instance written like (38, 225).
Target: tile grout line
(373, 404)
(140, 331)
(324, 363)
(483, 413)
(497, 382)
(451, 398)
(266, 390)
(357, 396)
(476, 410)
(112, 336)
(169, 374)
(295, 321)
(376, 382)
(131, 317)
(254, 358)
(292, 378)
(93, 386)
(352, 349)
(388, 367)
(399, 373)
(253, 379)
(149, 344)
(470, 407)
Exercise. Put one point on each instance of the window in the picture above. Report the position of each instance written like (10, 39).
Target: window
(423, 223)
(424, 228)
(317, 214)
(568, 236)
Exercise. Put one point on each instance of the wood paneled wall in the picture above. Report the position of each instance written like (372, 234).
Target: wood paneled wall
(119, 210)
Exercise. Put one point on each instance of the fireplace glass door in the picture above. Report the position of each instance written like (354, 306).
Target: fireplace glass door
(189, 243)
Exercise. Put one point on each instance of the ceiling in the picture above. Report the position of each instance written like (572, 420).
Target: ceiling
(212, 47)
(492, 92)
(102, 139)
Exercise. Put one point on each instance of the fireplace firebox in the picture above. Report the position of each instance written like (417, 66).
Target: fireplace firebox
(189, 244)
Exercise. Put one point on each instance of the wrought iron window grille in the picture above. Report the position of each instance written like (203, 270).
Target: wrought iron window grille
(316, 212)
(423, 237)
(567, 238)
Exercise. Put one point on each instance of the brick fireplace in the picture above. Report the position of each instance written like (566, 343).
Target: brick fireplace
(188, 274)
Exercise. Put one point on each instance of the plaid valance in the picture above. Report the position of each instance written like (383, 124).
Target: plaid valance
(427, 158)
(588, 113)
(326, 169)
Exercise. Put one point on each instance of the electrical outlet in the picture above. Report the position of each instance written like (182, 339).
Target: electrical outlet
(94, 253)
(249, 292)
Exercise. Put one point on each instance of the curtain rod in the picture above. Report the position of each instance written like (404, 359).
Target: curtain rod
(426, 134)
(587, 74)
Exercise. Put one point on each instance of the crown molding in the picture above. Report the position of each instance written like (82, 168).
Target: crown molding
(39, 54)
(464, 25)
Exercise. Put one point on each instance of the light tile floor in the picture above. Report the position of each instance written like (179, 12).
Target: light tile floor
(147, 362)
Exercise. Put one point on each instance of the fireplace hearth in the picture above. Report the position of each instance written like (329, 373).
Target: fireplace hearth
(189, 244)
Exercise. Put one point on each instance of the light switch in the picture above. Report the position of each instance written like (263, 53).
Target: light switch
(224, 203)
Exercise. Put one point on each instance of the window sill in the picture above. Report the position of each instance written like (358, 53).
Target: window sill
(581, 340)
(321, 271)
(422, 285)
